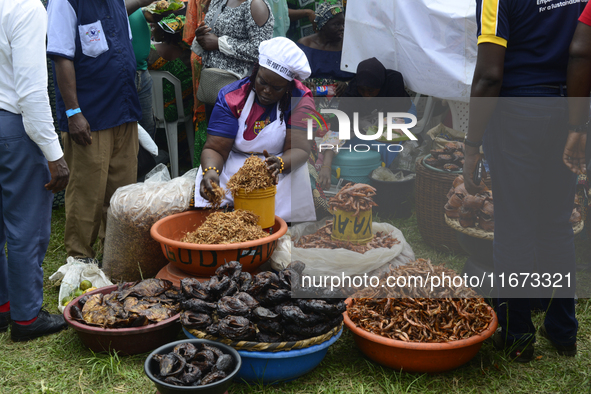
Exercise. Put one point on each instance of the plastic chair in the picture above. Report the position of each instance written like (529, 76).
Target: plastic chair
(460, 112)
(171, 128)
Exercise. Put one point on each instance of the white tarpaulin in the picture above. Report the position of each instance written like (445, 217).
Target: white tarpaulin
(431, 42)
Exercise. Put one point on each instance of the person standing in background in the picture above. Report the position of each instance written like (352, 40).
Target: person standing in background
(141, 34)
(196, 10)
(97, 108)
(523, 134)
(32, 167)
(301, 16)
(578, 84)
(281, 14)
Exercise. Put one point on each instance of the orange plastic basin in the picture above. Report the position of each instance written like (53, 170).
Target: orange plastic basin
(417, 356)
(203, 260)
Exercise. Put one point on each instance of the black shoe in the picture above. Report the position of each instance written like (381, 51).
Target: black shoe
(521, 352)
(570, 350)
(44, 325)
(4, 321)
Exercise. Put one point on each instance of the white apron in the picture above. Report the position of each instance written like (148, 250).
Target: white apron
(293, 201)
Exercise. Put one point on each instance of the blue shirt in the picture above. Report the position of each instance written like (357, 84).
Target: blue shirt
(232, 99)
(325, 64)
(96, 36)
(536, 33)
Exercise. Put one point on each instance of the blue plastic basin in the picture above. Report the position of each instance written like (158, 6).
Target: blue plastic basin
(275, 367)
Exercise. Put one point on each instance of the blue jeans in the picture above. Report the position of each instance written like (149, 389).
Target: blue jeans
(25, 218)
(143, 83)
(533, 196)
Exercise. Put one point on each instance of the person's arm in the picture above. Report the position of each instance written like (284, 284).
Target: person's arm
(324, 175)
(578, 81)
(215, 153)
(65, 74)
(133, 5)
(30, 81)
(296, 149)
(259, 29)
(222, 128)
(296, 15)
(487, 81)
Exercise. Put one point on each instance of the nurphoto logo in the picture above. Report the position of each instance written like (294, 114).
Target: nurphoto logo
(345, 128)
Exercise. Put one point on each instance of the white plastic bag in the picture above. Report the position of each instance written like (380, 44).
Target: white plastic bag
(73, 273)
(321, 262)
(146, 141)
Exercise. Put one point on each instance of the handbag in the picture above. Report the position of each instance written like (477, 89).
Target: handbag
(213, 79)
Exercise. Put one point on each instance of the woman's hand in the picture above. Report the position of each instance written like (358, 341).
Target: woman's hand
(202, 29)
(208, 41)
(341, 87)
(324, 177)
(273, 165)
(210, 176)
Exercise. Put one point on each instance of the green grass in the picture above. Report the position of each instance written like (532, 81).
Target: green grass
(61, 364)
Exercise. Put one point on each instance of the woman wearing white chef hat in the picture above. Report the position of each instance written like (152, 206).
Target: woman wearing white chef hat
(255, 116)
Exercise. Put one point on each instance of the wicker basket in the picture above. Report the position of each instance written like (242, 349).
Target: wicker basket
(268, 347)
(430, 197)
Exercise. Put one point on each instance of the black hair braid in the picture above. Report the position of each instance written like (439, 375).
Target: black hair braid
(284, 101)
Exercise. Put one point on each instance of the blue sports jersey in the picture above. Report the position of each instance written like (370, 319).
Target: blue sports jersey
(536, 33)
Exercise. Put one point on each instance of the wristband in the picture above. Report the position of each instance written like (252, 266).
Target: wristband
(210, 168)
(72, 112)
(282, 165)
(582, 128)
(472, 144)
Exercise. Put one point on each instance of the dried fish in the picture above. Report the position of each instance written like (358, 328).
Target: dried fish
(405, 313)
(353, 198)
(227, 228)
(216, 196)
(322, 239)
(251, 176)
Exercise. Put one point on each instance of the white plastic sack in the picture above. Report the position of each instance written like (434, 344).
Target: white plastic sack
(130, 252)
(73, 273)
(431, 42)
(321, 262)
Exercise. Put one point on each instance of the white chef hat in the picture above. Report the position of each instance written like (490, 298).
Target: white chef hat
(285, 58)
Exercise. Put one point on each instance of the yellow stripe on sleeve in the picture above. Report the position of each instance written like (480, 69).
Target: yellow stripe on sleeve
(492, 39)
(489, 16)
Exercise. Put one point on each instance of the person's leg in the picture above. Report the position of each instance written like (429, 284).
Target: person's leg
(85, 193)
(123, 161)
(555, 248)
(143, 83)
(515, 151)
(26, 218)
(144, 91)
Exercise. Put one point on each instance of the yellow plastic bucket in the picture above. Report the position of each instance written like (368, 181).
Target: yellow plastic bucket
(261, 202)
(348, 227)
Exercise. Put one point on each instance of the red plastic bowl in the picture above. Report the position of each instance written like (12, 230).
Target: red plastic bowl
(417, 356)
(128, 341)
(203, 260)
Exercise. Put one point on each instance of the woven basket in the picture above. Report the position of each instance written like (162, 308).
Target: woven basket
(268, 347)
(430, 197)
(489, 235)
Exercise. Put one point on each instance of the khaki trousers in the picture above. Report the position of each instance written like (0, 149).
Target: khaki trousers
(96, 171)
